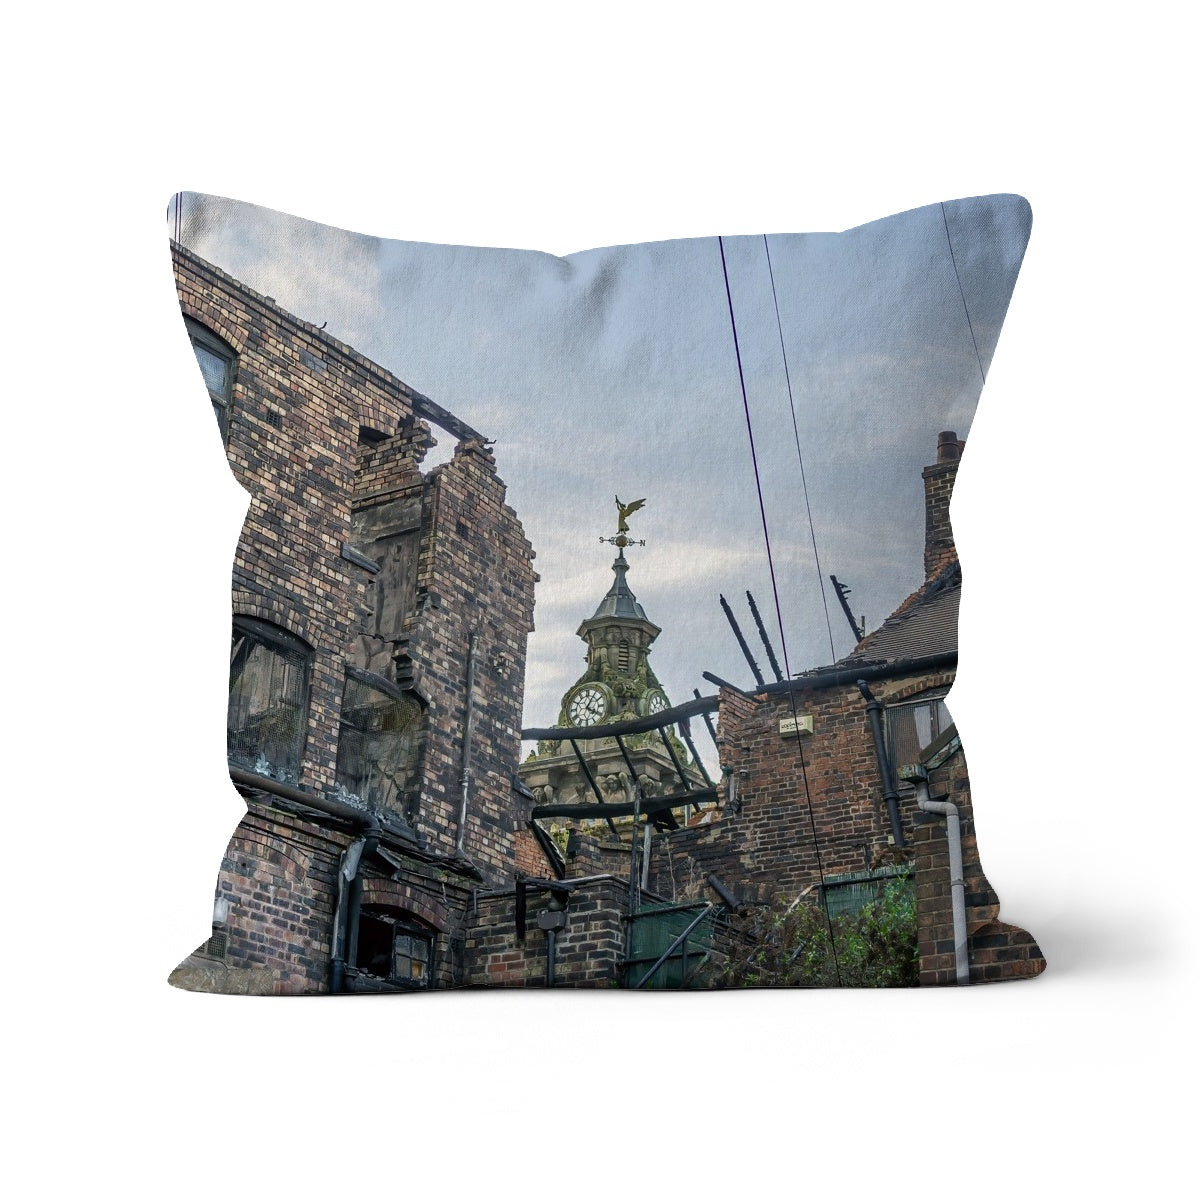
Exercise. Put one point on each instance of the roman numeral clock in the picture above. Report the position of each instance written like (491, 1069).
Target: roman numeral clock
(618, 685)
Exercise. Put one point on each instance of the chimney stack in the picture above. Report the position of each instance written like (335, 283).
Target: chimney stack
(939, 484)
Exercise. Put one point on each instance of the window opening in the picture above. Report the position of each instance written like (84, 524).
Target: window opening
(912, 726)
(216, 360)
(380, 743)
(393, 946)
(268, 699)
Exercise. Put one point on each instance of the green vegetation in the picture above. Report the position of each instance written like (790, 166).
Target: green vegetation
(788, 945)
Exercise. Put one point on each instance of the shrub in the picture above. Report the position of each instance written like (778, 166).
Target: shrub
(789, 945)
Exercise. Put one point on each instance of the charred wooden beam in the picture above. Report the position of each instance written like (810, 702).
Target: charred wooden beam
(648, 805)
(741, 641)
(842, 592)
(762, 633)
(587, 774)
(587, 733)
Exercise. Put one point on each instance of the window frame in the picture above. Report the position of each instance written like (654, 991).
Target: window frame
(403, 924)
(204, 338)
(404, 801)
(287, 645)
(932, 696)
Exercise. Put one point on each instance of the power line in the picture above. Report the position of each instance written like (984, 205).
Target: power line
(966, 310)
(775, 592)
(796, 432)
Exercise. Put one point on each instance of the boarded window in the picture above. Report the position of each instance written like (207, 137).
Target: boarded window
(268, 699)
(380, 743)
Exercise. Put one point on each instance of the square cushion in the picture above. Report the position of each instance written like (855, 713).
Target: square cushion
(594, 618)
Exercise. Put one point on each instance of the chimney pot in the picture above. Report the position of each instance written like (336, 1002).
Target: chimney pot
(949, 448)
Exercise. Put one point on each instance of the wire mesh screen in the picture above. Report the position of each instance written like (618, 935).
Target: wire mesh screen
(379, 746)
(911, 727)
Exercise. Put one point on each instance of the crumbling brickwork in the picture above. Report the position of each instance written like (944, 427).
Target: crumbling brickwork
(420, 581)
(804, 806)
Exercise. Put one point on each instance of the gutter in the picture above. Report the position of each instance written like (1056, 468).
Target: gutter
(958, 902)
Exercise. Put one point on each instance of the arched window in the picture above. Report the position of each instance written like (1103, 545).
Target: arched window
(268, 699)
(380, 743)
(394, 946)
(216, 360)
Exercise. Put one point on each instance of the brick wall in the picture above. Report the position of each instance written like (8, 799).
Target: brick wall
(298, 400)
(279, 877)
(588, 951)
(475, 574)
(771, 845)
(329, 447)
(996, 950)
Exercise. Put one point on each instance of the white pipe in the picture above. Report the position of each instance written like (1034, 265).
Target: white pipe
(958, 902)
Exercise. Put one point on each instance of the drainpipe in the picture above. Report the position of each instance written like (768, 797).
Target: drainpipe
(958, 901)
(890, 796)
(552, 921)
(349, 902)
(468, 728)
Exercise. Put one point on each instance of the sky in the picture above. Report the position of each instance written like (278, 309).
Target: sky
(612, 372)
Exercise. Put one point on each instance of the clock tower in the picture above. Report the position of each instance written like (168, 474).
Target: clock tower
(618, 685)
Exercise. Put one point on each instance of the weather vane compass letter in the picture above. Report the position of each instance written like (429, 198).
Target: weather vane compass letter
(623, 513)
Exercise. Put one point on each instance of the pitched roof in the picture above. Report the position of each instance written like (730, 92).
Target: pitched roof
(926, 623)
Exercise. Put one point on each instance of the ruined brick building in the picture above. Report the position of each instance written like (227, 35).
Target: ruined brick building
(829, 771)
(380, 619)
(833, 783)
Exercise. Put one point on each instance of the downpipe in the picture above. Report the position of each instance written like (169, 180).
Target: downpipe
(890, 795)
(468, 730)
(349, 903)
(958, 899)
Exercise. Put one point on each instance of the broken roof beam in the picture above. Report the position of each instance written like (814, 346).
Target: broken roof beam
(686, 733)
(587, 772)
(435, 414)
(648, 805)
(586, 733)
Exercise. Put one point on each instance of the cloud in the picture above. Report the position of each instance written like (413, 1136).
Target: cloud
(613, 371)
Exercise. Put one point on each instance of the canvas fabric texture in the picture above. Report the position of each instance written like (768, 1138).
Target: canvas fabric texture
(594, 618)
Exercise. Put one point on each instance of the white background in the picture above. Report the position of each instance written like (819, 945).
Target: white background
(525, 125)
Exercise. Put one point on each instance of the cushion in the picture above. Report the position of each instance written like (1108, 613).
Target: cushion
(594, 618)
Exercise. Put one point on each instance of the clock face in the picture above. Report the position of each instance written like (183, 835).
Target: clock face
(656, 702)
(587, 706)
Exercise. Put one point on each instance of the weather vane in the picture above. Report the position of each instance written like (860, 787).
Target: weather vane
(623, 513)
